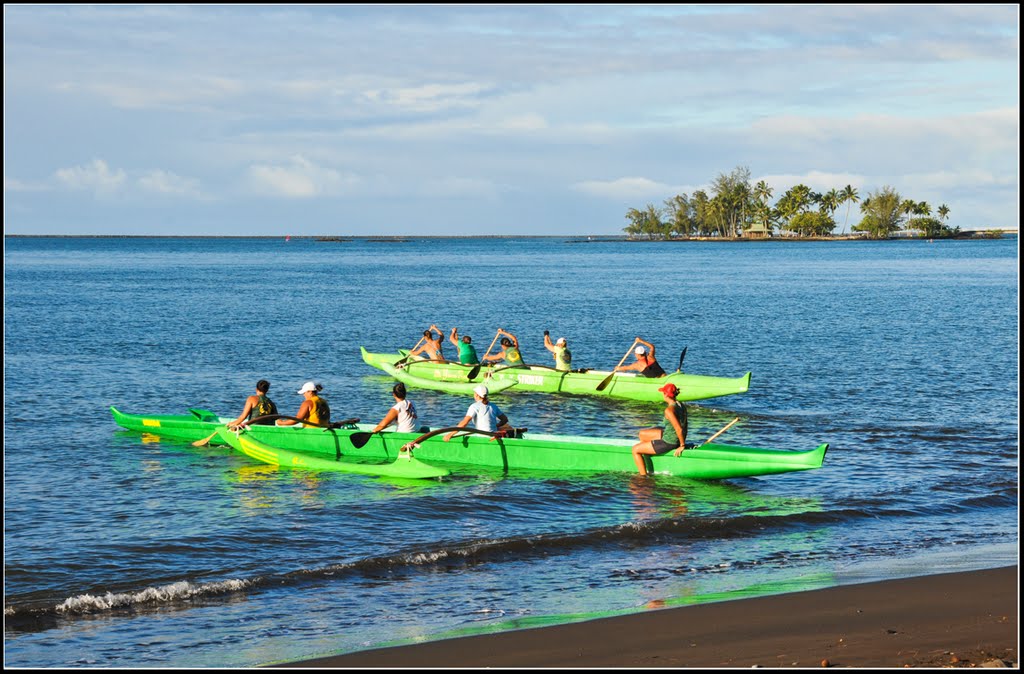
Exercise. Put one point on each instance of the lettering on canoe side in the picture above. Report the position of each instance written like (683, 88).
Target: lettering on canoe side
(532, 379)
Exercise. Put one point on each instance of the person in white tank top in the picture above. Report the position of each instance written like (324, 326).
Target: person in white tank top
(402, 413)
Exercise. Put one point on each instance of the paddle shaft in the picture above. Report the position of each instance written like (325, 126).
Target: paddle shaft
(205, 441)
(488, 352)
(402, 360)
(604, 382)
(721, 431)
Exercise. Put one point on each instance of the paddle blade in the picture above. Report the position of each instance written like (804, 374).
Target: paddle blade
(205, 441)
(474, 372)
(359, 439)
(681, 356)
(604, 382)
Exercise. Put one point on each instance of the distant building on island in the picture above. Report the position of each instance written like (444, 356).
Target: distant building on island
(757, 231)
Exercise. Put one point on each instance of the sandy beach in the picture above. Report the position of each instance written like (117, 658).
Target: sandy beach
(966, 619)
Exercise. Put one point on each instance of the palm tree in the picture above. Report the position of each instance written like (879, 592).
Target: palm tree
(907, 208)
(943, 212)
(848, 196)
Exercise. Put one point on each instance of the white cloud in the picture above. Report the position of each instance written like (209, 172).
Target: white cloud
(95, 176)
(301, 179)
(167, 183)
(627, 188)
(15, 185)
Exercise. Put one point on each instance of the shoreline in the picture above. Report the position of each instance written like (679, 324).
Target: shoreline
(960, 619)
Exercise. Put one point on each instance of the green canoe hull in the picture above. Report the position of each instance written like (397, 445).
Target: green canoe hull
(190, 428)
(627, 385)
(533, 452)
(404, 466)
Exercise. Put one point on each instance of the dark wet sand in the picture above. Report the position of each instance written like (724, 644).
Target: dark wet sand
(950, 620)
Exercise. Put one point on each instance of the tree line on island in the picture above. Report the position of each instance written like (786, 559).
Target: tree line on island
(735, 209)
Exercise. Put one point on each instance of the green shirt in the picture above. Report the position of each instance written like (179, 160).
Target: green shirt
(512, 356)
(669, 435)
(467, 354)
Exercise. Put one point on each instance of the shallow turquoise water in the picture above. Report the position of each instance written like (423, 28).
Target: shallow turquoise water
(121, 552)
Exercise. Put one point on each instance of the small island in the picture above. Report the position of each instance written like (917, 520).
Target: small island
(737, 210)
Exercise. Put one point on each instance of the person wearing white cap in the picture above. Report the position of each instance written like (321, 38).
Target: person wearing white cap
(560, 350)
(314, 410)
(645, 362)
(484, 414)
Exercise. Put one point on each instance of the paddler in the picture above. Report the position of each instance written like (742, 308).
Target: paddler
(431, 348)
(313, 410)
(467, 352)
(509, 350)
(645, 362)
(402, 413)
(560, 350)
(484, 414)
(257, 405)
(654, 441)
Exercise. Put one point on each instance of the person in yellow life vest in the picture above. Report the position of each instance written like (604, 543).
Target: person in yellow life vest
(314, 409)
(509, 350)
(256, 405)
(560, 351)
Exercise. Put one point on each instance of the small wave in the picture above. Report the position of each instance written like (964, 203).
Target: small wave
(87, 603)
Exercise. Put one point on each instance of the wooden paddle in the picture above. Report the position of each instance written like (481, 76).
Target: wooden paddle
(608, 379)
(400, 361)
(205, 441)
(476, 368)
(721, 431)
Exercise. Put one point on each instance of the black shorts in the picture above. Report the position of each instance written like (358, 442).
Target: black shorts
(660, 446)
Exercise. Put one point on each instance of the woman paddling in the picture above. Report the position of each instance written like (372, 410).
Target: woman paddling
(645, 364)
(403, 413)
(654, 441)
(314, 409)
(257, 405)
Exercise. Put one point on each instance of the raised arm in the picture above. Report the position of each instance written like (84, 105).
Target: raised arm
(650, 347)
(454, 337)
(547, 342)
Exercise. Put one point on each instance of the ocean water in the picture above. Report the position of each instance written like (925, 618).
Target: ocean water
(124, 550)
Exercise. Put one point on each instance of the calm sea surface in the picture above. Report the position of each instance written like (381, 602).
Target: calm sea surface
(120, 551)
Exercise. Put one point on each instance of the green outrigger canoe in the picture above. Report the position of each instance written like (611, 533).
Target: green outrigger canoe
(543, 379)
(533, 451)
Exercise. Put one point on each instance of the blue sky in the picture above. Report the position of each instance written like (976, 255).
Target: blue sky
(492, 119)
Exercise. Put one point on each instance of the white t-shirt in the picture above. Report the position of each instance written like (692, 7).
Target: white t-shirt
(484, 417)
(406, 416)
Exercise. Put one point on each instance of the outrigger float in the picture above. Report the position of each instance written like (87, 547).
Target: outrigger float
(350, 443)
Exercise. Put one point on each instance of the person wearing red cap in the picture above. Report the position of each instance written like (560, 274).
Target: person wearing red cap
(655, 441)
(645, 362)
